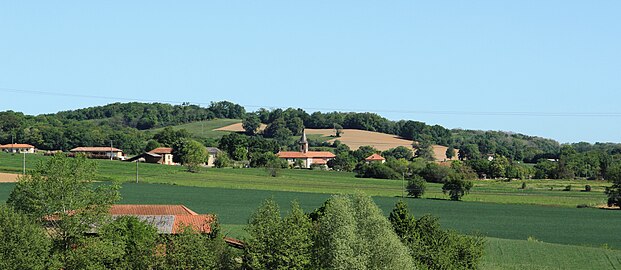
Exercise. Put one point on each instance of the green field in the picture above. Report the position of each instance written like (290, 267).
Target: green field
(204, 129)
(538, 192)
(524, 255)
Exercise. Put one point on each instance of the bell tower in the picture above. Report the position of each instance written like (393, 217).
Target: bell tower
(303, 143)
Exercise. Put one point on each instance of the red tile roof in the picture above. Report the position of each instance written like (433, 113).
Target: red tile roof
(161, 150)
(309, 154)
(374, 157)
(150, 209)
(16, 145)
(200, 223)
(95, 149)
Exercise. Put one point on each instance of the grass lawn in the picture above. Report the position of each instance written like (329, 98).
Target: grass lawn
(204, 129)
(538, 192)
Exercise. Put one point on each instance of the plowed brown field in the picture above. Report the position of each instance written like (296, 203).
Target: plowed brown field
(8, 177)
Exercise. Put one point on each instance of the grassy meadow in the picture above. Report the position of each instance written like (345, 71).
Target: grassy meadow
(204, 129)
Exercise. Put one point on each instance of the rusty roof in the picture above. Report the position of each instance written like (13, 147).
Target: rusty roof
(161, 150)
(374, 157)
(16, 145)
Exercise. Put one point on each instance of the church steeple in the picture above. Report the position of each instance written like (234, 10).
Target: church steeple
(303, 143)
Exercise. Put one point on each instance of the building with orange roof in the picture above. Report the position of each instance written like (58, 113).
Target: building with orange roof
(375, 158)
(168, 219)
(308, 158)
(18, 148)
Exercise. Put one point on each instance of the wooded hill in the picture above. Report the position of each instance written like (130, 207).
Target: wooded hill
(125, 123)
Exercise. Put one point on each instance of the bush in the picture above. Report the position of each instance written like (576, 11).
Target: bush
(376, 170)
(587, 188)
(416, 187)
(523, 185)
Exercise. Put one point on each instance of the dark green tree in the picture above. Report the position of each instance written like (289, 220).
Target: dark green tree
(456, 186)
(450, 152)
(416, 186)
(191, 154)
(251, 124)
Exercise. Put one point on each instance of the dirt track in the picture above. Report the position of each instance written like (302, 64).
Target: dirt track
(8, 177)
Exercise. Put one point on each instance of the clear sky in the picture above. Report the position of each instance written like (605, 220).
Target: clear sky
(545, 68)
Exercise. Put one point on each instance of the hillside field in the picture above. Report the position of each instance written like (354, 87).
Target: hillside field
(538, 192)
(204, 129)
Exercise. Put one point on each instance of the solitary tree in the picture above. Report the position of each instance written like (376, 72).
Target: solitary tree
(338, 130)
(456, 186)
(416, 186)
(450, 152)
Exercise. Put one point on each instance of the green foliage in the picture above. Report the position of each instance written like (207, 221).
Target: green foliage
(435, 173)
(364, 152)
(23, 243)
(151, 144)
(376, 170)
(192, 250)
(277, 243)
(432, 247)
(456, 186)
(416, 187)
(614, 192)
(169, 136)
(342, 162)
(587, 188)
(191, 154)
(450, 152)
(137, 239)
(424, 150)
(222, 160)
(62, 188)
(251, 124)
(226, 109)
(400, 152)
(355, 235)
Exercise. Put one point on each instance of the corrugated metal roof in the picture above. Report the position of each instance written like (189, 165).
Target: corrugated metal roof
(150, 209)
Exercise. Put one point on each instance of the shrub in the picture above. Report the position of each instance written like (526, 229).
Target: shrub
(587, 188)
(523, 185)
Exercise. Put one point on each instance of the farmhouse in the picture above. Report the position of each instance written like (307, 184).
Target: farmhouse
(160, 155)
(375, 158)
(18, 148)
(99, 152)
(213, 153)
(307, 158)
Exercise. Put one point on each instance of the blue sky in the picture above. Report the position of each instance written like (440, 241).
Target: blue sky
(541, 68)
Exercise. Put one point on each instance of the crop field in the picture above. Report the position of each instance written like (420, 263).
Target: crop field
(538, 192)
(205, 129)
(526, 255)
